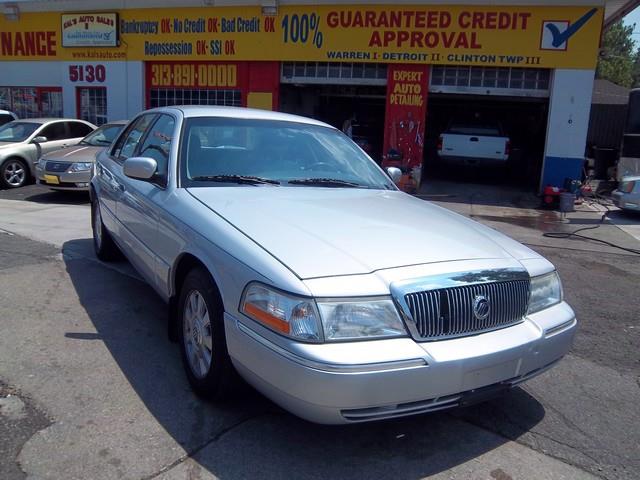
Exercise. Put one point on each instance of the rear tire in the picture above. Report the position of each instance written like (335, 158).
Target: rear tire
(202, 338)
(14, 173)
(106, 250)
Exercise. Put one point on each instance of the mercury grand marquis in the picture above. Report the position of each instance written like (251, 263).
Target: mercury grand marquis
(287, 256)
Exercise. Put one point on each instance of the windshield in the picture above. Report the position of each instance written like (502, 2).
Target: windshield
(17, 131)
(102, 136)
(217, 151)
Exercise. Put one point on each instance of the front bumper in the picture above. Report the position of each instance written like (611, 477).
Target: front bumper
(455, 160)
(375, 380)
(64, 180)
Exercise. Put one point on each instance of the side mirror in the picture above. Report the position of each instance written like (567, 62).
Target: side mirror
(40, 139)
(394, 173)
(141, 168)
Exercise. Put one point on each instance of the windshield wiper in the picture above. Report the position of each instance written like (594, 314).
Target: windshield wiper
(242, 179)
(326, 182)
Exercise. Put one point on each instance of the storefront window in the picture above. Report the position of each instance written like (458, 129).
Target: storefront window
(92, 104)
(165, 97)
(333, 72)
(31, 102)
(490, 77)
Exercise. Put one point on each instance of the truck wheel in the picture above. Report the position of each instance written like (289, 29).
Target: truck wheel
(14, 173)
(202, 337)
(106, 250)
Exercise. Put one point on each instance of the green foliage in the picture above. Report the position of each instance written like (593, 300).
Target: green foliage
(618, 61)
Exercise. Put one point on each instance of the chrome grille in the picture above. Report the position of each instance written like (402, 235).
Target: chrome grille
(449, 312)
(57, 166)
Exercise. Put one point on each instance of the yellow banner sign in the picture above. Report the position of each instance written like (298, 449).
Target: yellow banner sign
(544, 36)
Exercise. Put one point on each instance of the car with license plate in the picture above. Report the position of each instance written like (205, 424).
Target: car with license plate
(23, 142)
(71, 168)
(287, 256)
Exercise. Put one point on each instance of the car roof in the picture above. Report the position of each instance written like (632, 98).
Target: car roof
(190, 111)
(115, 122)
(51, 119)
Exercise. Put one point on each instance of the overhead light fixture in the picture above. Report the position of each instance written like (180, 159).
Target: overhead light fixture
(11, 12)
(269, 10)
(269, 7)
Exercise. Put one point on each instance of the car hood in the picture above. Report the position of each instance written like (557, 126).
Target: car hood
(5, 145)
(77, 153)
(320, 232)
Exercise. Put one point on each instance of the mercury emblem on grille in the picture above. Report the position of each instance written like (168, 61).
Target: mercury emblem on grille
(481, 307)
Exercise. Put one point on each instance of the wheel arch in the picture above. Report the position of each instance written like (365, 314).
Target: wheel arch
(182, 266)
(15, 156)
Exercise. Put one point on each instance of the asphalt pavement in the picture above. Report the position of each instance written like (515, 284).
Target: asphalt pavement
(90, 387)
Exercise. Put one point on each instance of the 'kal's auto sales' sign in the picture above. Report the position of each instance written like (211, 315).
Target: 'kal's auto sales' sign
(90, 30)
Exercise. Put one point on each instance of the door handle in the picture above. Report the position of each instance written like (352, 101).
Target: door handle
(473, 139)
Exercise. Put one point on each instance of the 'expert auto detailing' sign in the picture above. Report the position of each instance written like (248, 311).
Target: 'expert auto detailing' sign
(519, 36)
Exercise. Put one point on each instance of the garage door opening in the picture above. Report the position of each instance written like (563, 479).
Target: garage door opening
(523, 122)
(340, 94)
(515, 99)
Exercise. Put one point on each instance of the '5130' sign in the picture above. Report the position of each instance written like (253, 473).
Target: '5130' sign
(87, 73)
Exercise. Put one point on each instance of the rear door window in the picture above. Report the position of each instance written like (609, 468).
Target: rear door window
(79, 129)
(54, 131)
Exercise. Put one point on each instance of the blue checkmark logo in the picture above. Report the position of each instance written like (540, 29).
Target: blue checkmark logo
(559, 38)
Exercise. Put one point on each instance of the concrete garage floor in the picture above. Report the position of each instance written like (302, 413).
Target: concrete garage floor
(90, 387)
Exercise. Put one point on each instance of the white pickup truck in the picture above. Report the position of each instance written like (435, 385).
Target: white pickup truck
(474, 143)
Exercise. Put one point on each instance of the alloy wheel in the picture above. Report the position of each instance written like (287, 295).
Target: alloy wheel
(14, 173)
(198, 339)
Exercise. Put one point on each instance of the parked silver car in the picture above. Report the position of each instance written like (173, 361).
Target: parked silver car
(71, 168)
(627, 196)
(23, 142)
(286, 254)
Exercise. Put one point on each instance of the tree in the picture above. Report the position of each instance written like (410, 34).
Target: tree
(618, 57)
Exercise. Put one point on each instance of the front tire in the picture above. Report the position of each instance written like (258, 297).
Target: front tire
(14, 173)
(202, 338)
(106, 250)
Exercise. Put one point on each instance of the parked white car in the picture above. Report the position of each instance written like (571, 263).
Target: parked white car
(23, 142)
(286, 254)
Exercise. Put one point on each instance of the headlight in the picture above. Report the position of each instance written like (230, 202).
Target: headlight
(546, 291)
(81, 167)
(293, 316)
(306, 319)
(355, 319)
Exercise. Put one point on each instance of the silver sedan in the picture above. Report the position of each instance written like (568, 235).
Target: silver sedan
(72, 168)
(627, 196)
(287, 256)
(23, 142)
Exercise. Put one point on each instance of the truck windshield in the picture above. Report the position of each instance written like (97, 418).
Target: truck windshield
(219, 151)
